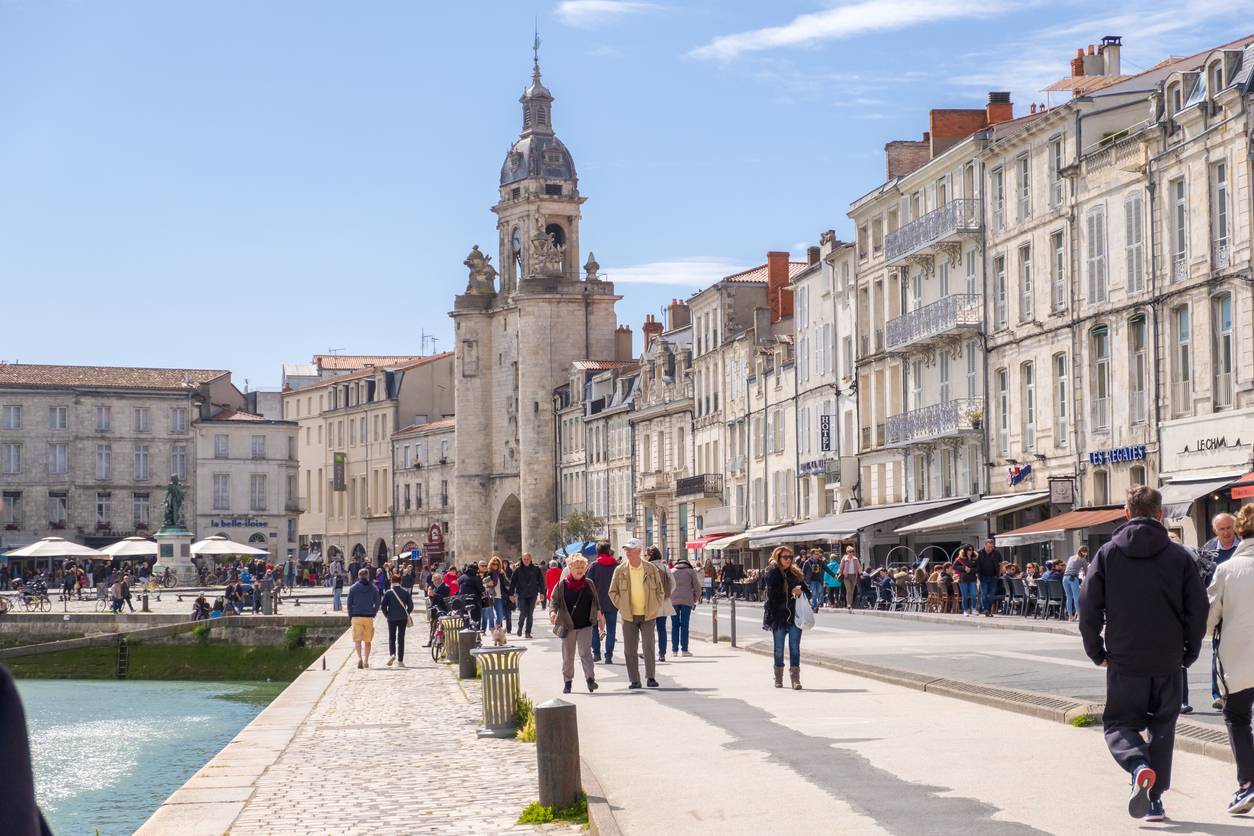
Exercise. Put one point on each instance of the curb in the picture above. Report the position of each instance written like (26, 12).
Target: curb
(1209, 741)
(601, 821)
(1001, 622)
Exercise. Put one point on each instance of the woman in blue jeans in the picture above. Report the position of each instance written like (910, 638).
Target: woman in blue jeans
(1076, 567)
(784, 584)
(964, 567)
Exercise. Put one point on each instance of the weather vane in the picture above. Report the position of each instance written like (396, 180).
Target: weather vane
(535, 45)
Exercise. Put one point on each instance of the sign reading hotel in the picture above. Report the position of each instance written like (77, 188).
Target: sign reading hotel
(1217, 440)
(825, 433)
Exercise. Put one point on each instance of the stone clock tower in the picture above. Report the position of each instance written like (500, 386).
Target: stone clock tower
(518, 327)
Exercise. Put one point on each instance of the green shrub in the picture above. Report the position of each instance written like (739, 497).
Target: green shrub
(525, 718)
(294, 636)
(201, 633)
(576, 813)
(1083, 720)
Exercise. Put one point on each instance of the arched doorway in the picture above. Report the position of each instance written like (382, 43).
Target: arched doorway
(359, 552)
(507, 539)
(380, 552)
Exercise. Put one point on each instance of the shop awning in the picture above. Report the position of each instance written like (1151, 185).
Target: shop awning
(1179, 494)
(737, 541)
(1055, 527)
(847, 523)
(985, 507)
(1243, 488)
(703, 542)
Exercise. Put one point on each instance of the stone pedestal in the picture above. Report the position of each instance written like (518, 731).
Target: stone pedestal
(174, 549)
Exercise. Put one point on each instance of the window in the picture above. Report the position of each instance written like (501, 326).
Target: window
(1060, 400)
(972, 287)
(1025, 188)
(1026, 306)
(944, 376)
(1216, 79)
(11, 417)
(10, 458)
(104, 418)
(972, 378)
(998, 190)
(1179, 230)
(1219, 215)
(1182, 368)
(221, 446)
(1100, 351)
(1136, 475)
(1000, 313)
(56, 418)
(916, 384)
(259, 446)
(257, 492)
(1134, 237)
(1003, 411)
(1138, 401)
(141, 462)
(1055, 172)
(58, 458)
(1175, 99)
(1221, 314)
(443, 493)
(1101, 487)
(178, 461)
(418, 495)
(221, 491)
(1095, 229)
(141, 419)
(11, 508)
(139, 509)
(1027, 373)
(104, 509)
(1058, 272)
(178, 419)
(57, 509)
(104, 461)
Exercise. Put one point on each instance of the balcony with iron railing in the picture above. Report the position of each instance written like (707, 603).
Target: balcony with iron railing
(295, 505)
(1181, 397)
(943, 318)
(1223, 390)
(1101, 414)
(957, 217)
(707, 485)
(1220, 255)
(1179, 268)
(946, 419)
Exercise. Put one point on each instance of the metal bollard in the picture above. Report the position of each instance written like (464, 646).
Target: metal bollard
(143, 603)
(499, 666)
(467, 640)
(733, 621)
(450, 625)
(714, 618)
(557, 753)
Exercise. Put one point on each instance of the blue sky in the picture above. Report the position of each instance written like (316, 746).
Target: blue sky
(240, 184)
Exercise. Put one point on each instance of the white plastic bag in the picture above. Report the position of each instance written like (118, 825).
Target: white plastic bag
(805, 613)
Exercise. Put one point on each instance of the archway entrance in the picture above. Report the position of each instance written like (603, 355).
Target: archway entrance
(359, 552)
(380, 552)
(507, 539)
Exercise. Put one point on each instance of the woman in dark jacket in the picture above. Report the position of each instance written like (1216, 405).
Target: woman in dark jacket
(526, 585)
(784, 583)
(470, 589)
(574, 607)
(397, 604)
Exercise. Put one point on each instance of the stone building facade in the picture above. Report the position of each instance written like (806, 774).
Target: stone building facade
(425, 462)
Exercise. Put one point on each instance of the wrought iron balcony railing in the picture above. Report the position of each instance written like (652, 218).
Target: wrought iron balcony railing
(958, 310)
(708, 484)
(938, 420)
(956, 216)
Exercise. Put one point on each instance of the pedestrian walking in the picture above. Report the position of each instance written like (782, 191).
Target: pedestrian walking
(1143, 593)
(831, 581)
(601, 573)
(397, 605)
(636, 591)
(684, 597)
(964, 568)
(707, 579)
(1072, 576)
(473, 593)
(574, 608)
(813, 569)
(988, 568)
(1219, 549)
(1232, 612)
(494, 583)
(784, 583)
(850, 575)
(363, 605)
(668, 609)
(527, 584)
(337, 588)
(552, 575)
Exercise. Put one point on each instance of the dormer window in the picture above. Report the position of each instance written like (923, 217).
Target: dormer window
(1216, 78)
(1175, 99)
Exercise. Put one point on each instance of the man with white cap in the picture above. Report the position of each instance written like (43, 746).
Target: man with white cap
(636, 591)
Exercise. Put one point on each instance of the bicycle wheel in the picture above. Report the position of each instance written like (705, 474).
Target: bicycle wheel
(45, 603)
(437, 648)
(169, 581)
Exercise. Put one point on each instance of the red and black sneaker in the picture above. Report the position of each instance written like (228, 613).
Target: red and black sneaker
(1139, 801)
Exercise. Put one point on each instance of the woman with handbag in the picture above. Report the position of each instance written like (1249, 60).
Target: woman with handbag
(574, 607)
(784, 583)
(668, 609)
(397, 605)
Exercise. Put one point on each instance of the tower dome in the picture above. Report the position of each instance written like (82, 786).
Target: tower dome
(537, 152)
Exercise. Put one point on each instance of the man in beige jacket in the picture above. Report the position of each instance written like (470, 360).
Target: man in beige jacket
(636, 591)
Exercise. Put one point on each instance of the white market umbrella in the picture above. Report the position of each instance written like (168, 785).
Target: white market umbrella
(218, 545)
(131, 547)
(55, 547)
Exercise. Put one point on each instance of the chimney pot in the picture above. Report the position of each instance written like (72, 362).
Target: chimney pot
(813, 254)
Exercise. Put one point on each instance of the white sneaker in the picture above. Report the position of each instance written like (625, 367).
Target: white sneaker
(685, 653)
(400, 664)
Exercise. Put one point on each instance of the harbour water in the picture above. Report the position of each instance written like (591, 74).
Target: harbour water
(106, 754)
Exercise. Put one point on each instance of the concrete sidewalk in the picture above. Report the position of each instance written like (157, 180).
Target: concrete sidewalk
(719, 750)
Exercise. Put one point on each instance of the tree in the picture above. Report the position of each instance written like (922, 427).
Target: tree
(579, 526)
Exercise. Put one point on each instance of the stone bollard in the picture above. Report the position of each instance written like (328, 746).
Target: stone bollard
(143, 603)
(499, 666)
(450, 624)
(557, 753)
(467, 640)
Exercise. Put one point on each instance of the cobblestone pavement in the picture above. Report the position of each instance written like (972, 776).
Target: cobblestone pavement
(389, 751)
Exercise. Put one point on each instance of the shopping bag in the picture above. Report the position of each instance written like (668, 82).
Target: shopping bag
(804, 618)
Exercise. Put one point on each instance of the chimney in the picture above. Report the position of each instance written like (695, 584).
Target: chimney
(1093, 64)
(812, 255)
(622, 344)
(903, 156)
(778, 296)
(1112, 45)
(652, 330)
(677, 314)
(999, 108)
(1077, 64)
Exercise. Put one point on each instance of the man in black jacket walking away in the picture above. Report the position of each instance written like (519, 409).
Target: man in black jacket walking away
(528, 583)
(988, 567)
(1145, 592)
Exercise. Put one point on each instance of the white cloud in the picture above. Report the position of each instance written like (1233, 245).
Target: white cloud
(588, 14)
(845, 21)
(697, 271)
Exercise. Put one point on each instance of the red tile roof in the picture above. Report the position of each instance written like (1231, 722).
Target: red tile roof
(758, 274)
(431, 426)
(105, 377)
(353, 362)
(602, 365)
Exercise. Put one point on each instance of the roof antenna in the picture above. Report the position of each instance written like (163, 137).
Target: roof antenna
(535, 44)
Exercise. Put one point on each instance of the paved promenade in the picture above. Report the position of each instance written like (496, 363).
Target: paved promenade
(348, 751)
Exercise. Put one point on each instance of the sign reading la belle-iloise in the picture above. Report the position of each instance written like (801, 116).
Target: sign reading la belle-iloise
(236, 522)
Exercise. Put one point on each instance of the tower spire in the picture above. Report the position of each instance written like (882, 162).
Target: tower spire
(535, 51)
